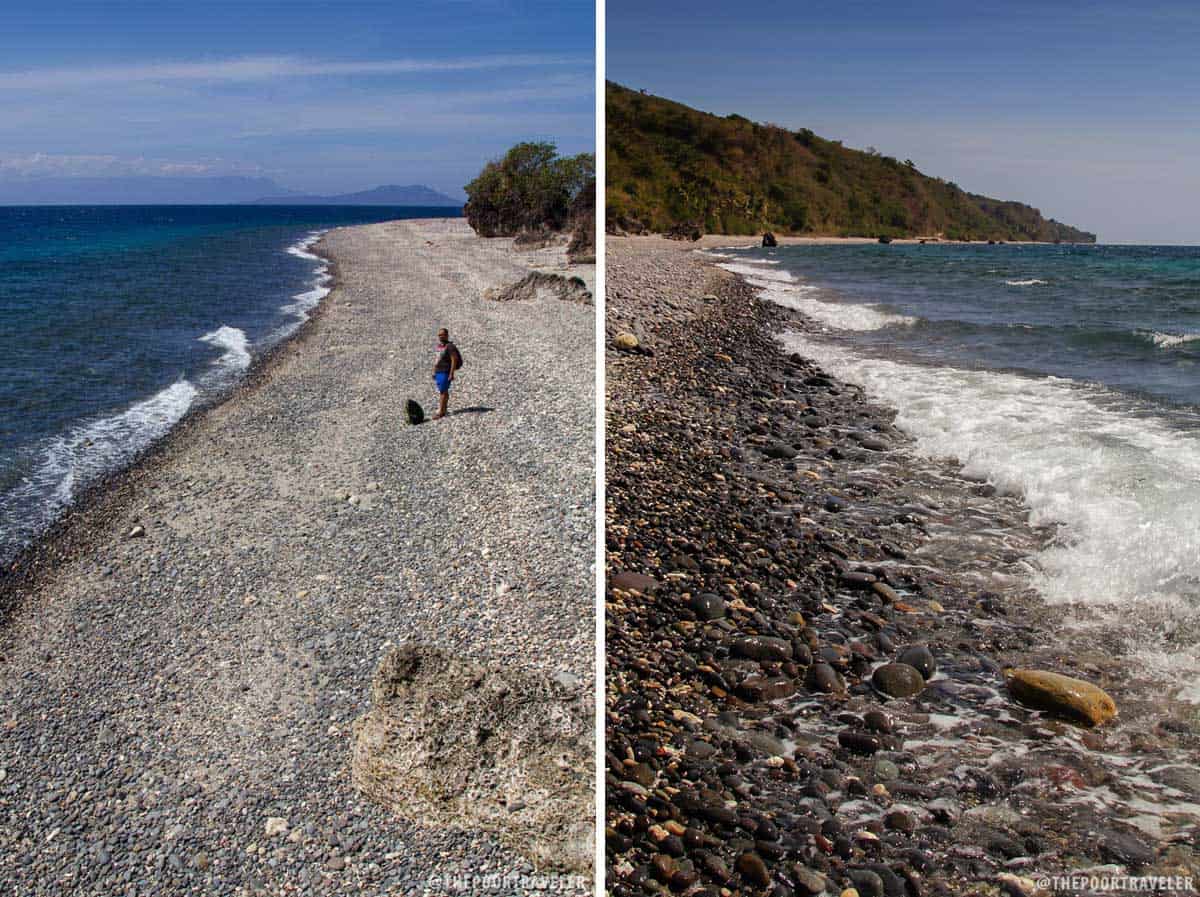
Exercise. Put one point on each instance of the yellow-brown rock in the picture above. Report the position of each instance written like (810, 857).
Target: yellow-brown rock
(1055, 693)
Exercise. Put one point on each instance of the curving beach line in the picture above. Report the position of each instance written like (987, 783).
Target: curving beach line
(185, 686)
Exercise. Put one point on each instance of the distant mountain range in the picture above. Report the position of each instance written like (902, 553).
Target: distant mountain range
(230, 190)
(388, 195)
(673, 167)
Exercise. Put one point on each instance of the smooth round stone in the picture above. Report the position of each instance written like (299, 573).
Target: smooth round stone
(921, 659)
(753, 869)
(707, 606)
(857, 579)
(898, 680)
(824, 678)
(859, 742)
(867, 883)
(762, 647)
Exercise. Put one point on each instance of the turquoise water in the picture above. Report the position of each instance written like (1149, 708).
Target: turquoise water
(119, 319)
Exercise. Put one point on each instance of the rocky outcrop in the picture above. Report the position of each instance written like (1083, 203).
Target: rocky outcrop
(540, 285)
(769, 240)
(456, 744)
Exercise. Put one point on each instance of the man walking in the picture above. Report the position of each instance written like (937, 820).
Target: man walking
(448, 360)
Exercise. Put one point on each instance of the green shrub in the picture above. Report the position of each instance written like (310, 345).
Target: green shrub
(532, 188)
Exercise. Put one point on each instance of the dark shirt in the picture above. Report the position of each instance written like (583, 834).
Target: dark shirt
(443, 359)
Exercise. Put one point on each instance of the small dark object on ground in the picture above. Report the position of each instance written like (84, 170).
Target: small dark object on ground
(414, 412)
(885, 239)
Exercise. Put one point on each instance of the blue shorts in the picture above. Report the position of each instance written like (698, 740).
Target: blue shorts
(443, 381)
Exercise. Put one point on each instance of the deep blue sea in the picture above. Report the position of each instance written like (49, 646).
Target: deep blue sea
(116, 320)
(1068, 375)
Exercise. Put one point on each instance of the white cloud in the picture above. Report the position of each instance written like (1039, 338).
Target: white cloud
(36, 165)
(260, 68)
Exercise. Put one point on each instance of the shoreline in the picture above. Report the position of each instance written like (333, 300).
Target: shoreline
(739, 241)
(68, 535)
(189, 699)
(848, 550)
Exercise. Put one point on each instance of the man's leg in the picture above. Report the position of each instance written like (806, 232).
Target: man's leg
(443, 388)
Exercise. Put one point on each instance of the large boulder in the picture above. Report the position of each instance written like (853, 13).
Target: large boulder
(542, 285)
(1061, 695)
(452, 743)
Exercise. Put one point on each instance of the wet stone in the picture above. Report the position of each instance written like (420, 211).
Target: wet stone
(919, 658)
(859, 742)
(760, 647)
(867, 883)
(824, 678)
(753, 869)
(898, 680)
(707, 606)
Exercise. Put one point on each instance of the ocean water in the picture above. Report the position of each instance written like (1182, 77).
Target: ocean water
(116, 321)
(1068, 375)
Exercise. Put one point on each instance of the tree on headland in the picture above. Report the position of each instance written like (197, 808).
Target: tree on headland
(532, 189)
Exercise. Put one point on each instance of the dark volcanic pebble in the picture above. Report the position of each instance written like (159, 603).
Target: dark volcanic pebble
(825, 678)
(707, 606)
(758, 647)
(919, 658)
(859, 742)
(898, 680)
(754, 870)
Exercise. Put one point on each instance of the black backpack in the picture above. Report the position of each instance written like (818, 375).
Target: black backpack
(414, 412)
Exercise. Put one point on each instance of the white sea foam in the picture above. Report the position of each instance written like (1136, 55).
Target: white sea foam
(1032, 282)
(1169, 340)
(301, 247)
(1123, 487)
(236, 357)
(782, 288)
(836, 315)
(304, 302)
(93, 448)
(754, 270)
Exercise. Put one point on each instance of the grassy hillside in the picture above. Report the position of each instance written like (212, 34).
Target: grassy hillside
(671, 166)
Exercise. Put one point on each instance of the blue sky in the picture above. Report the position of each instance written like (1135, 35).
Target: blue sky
(323, 97)
(1089, 111)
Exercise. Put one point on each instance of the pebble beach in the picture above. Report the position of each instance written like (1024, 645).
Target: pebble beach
(182, 658)
(811, 631)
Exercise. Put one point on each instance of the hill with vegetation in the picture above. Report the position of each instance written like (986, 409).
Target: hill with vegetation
(674, 168)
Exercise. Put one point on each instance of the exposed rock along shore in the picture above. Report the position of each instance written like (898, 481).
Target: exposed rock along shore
(808, 632)
(177, 707)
